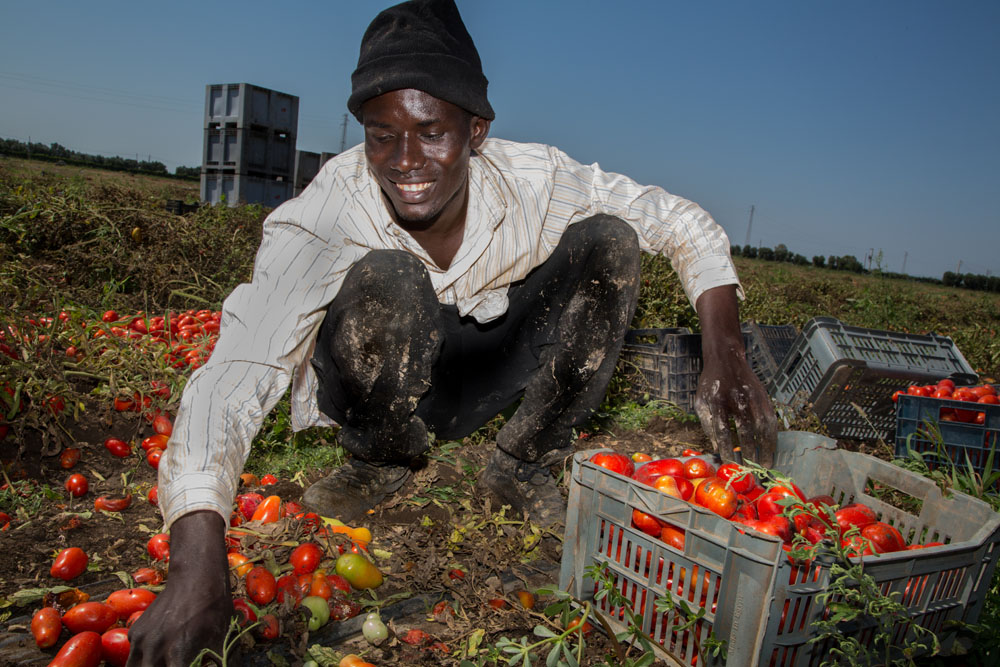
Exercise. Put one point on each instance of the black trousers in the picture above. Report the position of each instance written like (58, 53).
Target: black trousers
(394, 363)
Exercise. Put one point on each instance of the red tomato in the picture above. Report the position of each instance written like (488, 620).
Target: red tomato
(92, 616)
(690, 452)
(247, 504)
(646, 523)
(305, 558)
(916, 390)
(69, 564)
(109, 316)
(614, 462)
(153, 457)
(148, 576)
(673, 536)
(158, 547)
(989, 399)
(884, 538)
(337, 582)
(287, 585)
(261, 585)
(268, 628)
(650, 472)
(77, 485)
(242, 607)
(115, 647)
(946, 382)
(855, 514)
(714, 495)
(69, 458)
(123, 404)
(768, 505)
(678, 487)
(127, 601)
(46, 625)
(82, 650)
(268, 511)
(739, 483)
(856, 546)
(152, 441)
(154, 496)
(112, 504)
(117, 447)
(983, 390)
(318, 584)
(698, 468)
(268, 480)
(778, 526)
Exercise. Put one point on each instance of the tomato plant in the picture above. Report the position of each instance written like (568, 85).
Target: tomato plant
(46, 624)
(69, 563)
(77, 485)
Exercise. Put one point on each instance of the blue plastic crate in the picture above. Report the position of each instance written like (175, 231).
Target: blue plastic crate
(946, 431)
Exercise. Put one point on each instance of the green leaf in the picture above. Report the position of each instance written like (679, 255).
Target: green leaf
(32, 595)
(543, 631)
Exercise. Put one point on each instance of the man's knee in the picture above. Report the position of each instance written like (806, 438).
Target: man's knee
(605, 239)
(387, 275)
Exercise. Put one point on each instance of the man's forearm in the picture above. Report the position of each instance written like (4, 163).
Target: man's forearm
(719, 313)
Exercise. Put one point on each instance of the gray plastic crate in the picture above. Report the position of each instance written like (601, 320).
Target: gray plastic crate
(767, 346)
(662, 364)
(835, 370)
(243, 105)
(754, 598)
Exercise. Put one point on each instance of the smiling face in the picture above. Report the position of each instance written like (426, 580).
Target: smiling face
(418, 147)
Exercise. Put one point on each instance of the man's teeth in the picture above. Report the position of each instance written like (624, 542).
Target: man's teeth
(413, 187)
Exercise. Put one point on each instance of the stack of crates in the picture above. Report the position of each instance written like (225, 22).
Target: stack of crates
(307, 165)
(249, 148)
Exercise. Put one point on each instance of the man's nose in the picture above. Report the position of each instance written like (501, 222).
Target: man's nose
(408, 156)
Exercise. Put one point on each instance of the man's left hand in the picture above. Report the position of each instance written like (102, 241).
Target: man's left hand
(731, 403)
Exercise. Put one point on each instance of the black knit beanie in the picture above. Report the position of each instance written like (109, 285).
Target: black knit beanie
(422, 44)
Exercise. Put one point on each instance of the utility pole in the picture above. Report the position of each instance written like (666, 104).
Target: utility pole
(343, 135)
(905, 255)
(959, 269)
(749, 226)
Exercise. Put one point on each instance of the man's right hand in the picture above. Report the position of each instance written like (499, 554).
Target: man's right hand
(193, 611)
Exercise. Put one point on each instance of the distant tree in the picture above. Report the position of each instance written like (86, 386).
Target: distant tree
(799, 260)
(993, 283)
(750, 251)
(850, 263)
(188, 172)
(735, 250)
(766, 253)
(950, 279)
(819, 261)
(974, 281)
(781, 253)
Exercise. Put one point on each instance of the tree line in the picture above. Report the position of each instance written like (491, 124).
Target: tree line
(780, 253)
(55, 152)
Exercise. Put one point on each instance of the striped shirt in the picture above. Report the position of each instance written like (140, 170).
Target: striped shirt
(522, 197)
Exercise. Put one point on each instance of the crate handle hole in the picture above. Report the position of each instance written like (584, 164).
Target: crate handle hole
(894, 497)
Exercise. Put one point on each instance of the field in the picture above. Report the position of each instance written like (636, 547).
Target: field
(80, 242)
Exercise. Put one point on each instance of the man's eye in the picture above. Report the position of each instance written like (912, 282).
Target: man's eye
(433, 136)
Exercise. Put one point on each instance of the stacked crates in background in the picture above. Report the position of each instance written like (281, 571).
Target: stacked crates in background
(307, 165)
(249, 148)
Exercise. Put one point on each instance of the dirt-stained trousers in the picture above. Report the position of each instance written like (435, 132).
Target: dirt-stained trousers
(394, 363)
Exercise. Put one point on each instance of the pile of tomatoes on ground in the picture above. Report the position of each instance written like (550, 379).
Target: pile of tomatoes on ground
(983, 394)
(777, 508)
(305, 588)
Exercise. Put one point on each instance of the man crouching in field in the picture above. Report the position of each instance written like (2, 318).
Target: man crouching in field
(424, 282)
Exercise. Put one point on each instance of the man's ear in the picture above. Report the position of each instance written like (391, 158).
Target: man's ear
(480, 128)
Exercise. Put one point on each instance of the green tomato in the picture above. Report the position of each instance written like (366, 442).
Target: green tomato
(360, 572)
(374, 629)
(319, 611)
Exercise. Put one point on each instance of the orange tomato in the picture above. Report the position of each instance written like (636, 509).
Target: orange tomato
(268, 511)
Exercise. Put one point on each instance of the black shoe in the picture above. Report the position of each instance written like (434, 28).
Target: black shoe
(526, 487)
(353, 489)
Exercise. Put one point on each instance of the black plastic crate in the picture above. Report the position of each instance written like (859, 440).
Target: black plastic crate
(662, 364)
(944, 430)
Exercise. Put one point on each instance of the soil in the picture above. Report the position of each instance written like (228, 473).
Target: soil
(436, 523)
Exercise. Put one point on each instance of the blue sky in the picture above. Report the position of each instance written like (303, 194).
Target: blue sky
(848, 125)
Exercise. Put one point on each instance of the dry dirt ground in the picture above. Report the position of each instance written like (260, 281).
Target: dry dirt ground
(437, 523)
